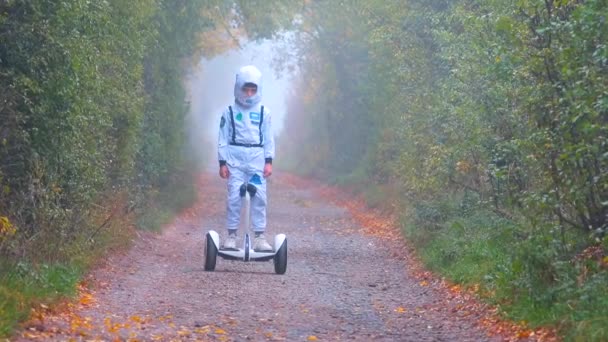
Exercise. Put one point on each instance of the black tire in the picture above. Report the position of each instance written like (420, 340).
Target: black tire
(280, 259)
(210, 253)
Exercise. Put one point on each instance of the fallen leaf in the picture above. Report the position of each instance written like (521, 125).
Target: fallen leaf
(184, 332)
(524, 334)
(86, 299)
(137, 319)
(400, 309)
(30, 335)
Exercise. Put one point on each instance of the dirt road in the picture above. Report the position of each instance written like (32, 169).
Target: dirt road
(340, 285)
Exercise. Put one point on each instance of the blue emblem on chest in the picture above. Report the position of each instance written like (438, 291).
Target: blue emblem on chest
(255, 118)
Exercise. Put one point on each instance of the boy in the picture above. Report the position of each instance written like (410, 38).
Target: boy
(245, 153)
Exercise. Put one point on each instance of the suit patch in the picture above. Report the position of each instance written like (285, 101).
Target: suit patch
(255, 179)
(239, 116)
(254, 117)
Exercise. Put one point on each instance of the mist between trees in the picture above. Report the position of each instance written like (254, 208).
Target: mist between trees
(485, 122)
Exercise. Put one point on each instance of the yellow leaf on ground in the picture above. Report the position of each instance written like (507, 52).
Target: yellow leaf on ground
(137, 319)
(30, 335)
(184, 332)
(203, 330)
(86, 299)
(525, 334)
(220, 331)
(400, 309)
(312, 338)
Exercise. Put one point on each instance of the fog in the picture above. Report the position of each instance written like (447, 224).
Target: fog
(211, 89)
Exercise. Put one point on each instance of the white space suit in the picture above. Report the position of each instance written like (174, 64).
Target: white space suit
(245, 145)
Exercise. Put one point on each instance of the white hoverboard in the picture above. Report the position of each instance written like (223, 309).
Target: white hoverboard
(213, 247)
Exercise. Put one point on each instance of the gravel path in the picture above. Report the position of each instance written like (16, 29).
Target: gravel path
(340, 285)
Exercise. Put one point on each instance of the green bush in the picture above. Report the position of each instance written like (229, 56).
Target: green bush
(487, 118)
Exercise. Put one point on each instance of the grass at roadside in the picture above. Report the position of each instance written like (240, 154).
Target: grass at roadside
(50, 270)
(523, 273)
(29, 281)
(24, 285)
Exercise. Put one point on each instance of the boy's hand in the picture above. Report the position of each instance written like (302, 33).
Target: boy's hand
(267, 170)
(224, 172)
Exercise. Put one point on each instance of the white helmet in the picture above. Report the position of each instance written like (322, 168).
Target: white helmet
(248, 74)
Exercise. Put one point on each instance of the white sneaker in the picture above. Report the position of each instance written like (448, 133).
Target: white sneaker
(230, 242)
(260, 244)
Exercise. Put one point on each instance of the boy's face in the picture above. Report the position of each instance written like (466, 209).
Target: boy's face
(250, 90)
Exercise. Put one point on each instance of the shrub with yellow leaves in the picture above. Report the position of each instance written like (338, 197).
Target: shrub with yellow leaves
(7, 229)
(463, 166)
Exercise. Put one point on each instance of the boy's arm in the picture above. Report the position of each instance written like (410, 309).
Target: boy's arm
(268, 138)
(222, 143)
